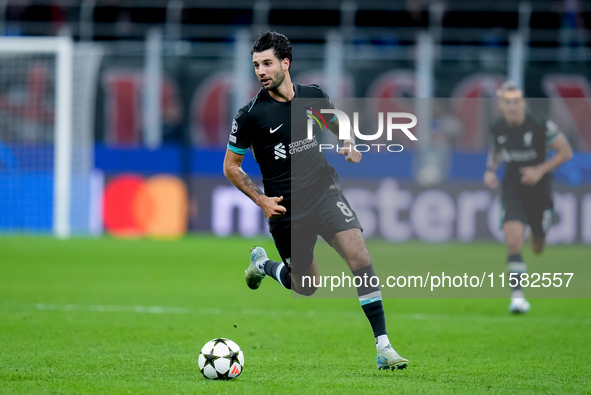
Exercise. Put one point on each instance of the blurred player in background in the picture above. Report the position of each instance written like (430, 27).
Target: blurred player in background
(302, 197)
(523, 142)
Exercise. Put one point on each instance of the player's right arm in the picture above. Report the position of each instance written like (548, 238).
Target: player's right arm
(493, 161)
(233, 172)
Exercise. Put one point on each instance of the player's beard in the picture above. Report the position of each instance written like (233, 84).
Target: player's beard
(277, 81)
(514, 118)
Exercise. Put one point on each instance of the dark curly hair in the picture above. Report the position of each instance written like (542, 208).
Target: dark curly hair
(272, 40)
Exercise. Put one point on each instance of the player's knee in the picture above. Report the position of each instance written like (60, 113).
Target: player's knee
(309, 291)
(359, 259)
(305, 285)
(514, 245)
(306, 290)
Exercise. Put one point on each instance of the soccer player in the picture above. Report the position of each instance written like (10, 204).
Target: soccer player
(523, 142)
(302, 197)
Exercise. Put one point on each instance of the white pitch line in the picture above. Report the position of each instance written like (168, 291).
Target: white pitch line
(100, 308)
(123, 309)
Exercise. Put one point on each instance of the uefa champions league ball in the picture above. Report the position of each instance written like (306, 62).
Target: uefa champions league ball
(221, 359)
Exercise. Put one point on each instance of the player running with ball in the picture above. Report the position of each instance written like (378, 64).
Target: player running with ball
(302, 197)
(522, 142)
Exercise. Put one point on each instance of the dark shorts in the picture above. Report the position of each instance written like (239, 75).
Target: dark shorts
(328, 214)
(537, 211)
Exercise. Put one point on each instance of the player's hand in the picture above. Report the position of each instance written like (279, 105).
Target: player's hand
(272, 208)
(351, 155)
(530, 175)
(490, 179)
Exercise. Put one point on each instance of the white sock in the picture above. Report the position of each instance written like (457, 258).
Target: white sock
(382, 341)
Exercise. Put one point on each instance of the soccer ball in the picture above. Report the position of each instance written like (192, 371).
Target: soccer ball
(221, 359)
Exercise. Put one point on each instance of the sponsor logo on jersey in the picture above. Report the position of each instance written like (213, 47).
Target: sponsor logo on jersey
(280, 151)
(233, 139)
(301, 145)
(518, 155)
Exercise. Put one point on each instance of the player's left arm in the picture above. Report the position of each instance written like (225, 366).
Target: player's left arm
(493, 161)
(530, 175)
(347, 147)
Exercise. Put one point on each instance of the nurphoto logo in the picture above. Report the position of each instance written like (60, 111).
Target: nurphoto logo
(391, 119)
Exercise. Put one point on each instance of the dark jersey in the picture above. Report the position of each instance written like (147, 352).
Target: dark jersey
(521, 146)
(277, 135)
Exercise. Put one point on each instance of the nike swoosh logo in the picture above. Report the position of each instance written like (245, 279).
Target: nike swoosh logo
(349, 219)
(271, 130)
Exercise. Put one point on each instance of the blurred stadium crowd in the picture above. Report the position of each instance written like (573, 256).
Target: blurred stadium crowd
(214, 21)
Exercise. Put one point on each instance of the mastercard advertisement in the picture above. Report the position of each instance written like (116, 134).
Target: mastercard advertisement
(136, 206)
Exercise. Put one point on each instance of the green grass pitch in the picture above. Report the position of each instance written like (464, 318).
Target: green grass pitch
(130, 316)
